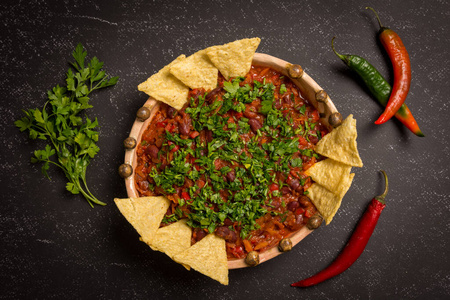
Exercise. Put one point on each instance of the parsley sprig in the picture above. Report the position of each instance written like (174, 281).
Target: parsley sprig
(71, 137)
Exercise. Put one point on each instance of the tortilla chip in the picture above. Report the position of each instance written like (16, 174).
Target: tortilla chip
(234, 59)
(196, 71)
(144, 213)
(326, 202)
(208, 256)
(330, 174)
(172, 239)
(165, 87)
(340, 144)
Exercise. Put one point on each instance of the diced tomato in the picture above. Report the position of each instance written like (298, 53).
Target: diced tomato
(299, 211)
(161, 124)
(295, 172)
(302, 141)
(309, 212)
(315, 116)
(237, 251)
(309, 164)
(194, 134)
(170, 127)
(185, 196)
(175, 149)
(200, 183)
(274, 187)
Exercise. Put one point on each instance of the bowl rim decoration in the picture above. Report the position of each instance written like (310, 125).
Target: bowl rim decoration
(309, 89)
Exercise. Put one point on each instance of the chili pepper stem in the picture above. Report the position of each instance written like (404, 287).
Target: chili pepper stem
(381, 197)
(376, 14)
(342, 57)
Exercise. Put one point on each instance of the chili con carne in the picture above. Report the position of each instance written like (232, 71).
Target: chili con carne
(355, 245)
(402, 70)
(378, 87)
(234, 162)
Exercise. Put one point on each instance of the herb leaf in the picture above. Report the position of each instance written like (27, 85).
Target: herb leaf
(71, 138)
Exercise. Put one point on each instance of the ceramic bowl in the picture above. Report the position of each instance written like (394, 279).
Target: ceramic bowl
(309, 89)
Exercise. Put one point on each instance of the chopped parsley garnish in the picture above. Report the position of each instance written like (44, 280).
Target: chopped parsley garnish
(238, 164)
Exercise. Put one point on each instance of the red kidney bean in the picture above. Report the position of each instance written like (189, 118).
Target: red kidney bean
(227, 222)
(299, 220)
(254, 125)
(184, 126)
(285, 190)
(294, 222)
(231, 176)
(199, 234)
(208, 135)
(171, 112)
(287, 100)
(152, 151)
(143, 185)
(227, 234)
(294, 183)
(313, 139)
(293, 205)
(276, 203)
(211, 96)
(304, 201)
(250, 114)
(278, 104)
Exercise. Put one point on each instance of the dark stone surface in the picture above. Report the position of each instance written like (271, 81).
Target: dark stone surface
(54, 246)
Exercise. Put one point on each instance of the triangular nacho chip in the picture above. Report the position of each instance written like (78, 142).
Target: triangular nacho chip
(196, 71)
(340, 144)
(165, 87)
(144, 213)
(208, 256)
(330, 174)
(172, 239)
(235, 58)
(326, 202)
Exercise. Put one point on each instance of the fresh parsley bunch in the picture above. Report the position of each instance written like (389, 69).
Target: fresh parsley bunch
(71, 136)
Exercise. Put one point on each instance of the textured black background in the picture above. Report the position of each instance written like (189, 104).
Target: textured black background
(53, 245)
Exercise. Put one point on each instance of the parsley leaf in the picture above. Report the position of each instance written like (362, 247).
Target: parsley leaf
(71, 138)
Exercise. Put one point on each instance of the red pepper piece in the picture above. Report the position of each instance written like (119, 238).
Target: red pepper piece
(194, 134)
(355, 246)
(274, 187)
(175, 149)
(402, 70)
(161, 124)
(185, 196)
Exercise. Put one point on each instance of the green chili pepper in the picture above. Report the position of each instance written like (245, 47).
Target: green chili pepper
(379, 87)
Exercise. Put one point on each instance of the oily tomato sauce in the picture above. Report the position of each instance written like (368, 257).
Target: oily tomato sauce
(232, 161)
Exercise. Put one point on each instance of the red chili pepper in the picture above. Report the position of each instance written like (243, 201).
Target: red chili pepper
(402, 70)
(175, 149)
(355, 245)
